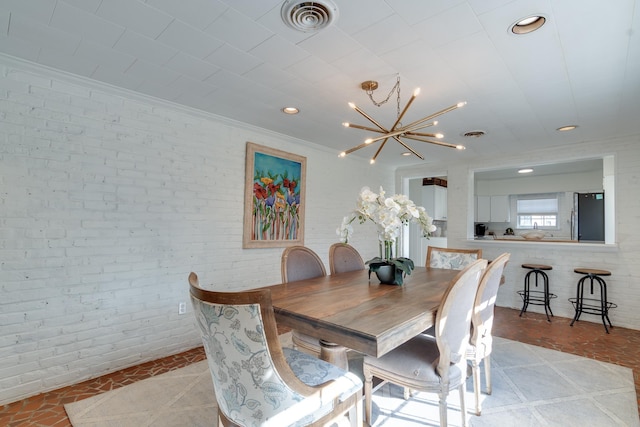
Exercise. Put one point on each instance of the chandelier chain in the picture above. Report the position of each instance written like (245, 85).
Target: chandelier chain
(395, 88)
(398, 107)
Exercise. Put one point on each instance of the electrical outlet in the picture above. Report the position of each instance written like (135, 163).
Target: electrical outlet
(182, 308)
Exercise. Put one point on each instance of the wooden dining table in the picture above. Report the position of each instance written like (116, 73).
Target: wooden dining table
(352, 311)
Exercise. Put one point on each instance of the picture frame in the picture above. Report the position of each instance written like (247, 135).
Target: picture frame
(274, 198)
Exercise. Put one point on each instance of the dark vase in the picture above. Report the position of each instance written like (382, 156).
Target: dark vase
(387, 274)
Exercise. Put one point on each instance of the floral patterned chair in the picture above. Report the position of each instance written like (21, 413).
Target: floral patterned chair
(435, 364)
(455, 259)
(257, 383)
(300, 263)
(482, 323)
(343, 258)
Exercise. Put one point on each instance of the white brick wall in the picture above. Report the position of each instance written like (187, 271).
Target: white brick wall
(107, 202)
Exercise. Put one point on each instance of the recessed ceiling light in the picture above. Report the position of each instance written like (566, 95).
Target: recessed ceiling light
(406, 153)
(566, 128)
(290, 110)
(525, 170)
(528, 24)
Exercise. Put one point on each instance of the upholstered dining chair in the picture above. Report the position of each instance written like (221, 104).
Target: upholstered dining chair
(452, 258)
(300, 263)
(481, 324)
(257, 382)
(343, 258)
(437, 363)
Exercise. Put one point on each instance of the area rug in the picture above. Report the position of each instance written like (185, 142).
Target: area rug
(532, 386)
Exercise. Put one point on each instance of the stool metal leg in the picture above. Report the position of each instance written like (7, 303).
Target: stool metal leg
(528, 298)
(602, 310)
(579, 295)
(547, 299)
(604, 305)
(525, 296)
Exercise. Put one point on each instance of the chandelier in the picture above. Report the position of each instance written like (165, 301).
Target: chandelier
(398, 130)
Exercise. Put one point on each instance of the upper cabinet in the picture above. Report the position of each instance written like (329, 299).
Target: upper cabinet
(500, 211)
(434, 200)
(492, 209)
(483, 209)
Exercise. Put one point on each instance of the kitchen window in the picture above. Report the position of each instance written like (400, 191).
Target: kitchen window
(537, 212)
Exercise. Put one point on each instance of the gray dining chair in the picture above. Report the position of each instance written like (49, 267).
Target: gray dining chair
(481, 341)
(300, 263)
(437, 363)
(258, 383)
(344, 258)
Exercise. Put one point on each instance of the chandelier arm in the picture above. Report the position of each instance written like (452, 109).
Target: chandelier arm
(439, 113)
(375, 156)
(351, 125)
(386, 136)
(409, 128)
(409, 148)
(368, 117)
(357, 147)
(401, 131)
(442, 143)
(428, 135)
(406, 107)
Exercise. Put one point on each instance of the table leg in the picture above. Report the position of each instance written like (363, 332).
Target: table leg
(334, 354)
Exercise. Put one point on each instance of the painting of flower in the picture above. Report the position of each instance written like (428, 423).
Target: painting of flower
(274, 198)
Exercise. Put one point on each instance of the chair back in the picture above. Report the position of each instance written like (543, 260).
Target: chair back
(246, 361)
(300, 263)
(451, 258)
(453, 319)
(482, 319)
(343, 258)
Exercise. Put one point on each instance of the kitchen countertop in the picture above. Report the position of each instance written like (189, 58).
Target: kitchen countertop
(544, 239)
(517, 238)
(555, 243)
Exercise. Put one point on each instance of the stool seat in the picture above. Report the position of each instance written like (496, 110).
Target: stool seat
(593, 271)
(536, 297)
(598, 306)
(537, 266)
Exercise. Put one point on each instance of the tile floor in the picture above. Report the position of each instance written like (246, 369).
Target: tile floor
(532, 386)
(584, 338)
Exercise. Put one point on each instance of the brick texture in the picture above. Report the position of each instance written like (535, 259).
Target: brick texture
(107, 203)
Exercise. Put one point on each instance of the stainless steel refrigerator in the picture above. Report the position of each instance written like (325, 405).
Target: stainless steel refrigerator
(587, 217)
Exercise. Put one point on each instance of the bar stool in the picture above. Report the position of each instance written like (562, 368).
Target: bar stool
(592, 305)
(536, 297)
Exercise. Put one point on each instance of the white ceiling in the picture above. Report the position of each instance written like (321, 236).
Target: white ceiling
(573, 167)
(237, 59)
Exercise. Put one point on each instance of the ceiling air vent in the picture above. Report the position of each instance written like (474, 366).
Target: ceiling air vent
(474, 134)
(309, 16)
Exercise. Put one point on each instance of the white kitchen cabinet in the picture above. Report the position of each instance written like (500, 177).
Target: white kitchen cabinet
(500, 211)
(434, 200)
(483, 208)
(492, 209)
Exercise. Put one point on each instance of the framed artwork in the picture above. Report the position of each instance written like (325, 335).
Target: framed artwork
(274, 193)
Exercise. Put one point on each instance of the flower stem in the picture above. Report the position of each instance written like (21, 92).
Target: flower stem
(388, 250)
